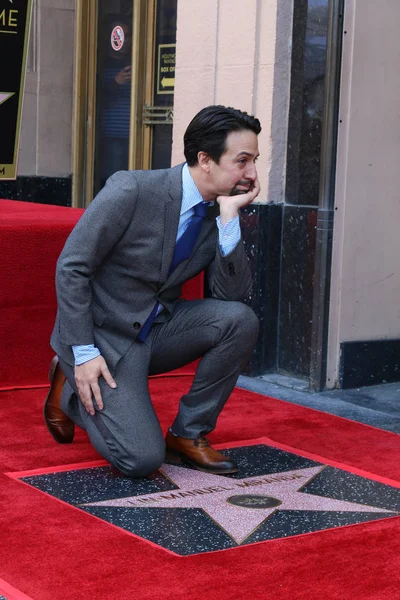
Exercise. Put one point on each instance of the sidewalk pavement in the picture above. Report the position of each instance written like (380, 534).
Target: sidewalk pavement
(378, 406)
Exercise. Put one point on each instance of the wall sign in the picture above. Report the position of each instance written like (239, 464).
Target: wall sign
(15, 16)
(166, 68)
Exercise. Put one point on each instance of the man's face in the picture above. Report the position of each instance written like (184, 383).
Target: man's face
(236, 171)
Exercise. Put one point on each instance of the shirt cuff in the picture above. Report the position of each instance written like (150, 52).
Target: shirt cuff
(83, 354)
(229, 235)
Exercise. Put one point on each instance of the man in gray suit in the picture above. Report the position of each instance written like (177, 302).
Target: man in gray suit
(120, 316)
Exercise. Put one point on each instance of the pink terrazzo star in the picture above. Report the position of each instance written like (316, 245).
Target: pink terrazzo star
(218, 497)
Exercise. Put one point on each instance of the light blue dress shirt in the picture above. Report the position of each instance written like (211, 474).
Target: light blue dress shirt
(229, 236)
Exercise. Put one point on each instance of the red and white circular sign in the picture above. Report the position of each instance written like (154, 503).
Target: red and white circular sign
(117, 38)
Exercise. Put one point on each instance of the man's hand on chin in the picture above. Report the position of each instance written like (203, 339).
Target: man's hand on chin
(87, 381)
(229, 206)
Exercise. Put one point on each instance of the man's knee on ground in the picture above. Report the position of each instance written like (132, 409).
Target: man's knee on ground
(133, 465)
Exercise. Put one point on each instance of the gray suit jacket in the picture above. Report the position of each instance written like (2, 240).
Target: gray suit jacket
(115, 263)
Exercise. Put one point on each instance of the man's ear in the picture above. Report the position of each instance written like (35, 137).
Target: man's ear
(203, 160)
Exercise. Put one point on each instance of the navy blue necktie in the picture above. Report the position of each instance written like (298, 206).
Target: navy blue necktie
(185, 244)
(183, 249)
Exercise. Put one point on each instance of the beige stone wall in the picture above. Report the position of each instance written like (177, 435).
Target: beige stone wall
(237, 54)
(46, 130)
(365, 301)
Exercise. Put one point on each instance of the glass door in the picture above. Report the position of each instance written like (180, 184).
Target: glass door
(124, 90)
(113, 89)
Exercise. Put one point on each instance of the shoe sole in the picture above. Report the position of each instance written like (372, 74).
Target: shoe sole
(174, 458)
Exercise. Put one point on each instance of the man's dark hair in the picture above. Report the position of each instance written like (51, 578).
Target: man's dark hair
(208, 130)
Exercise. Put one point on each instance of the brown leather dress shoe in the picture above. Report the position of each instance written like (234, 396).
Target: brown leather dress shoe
(199, 454)
(60, 426)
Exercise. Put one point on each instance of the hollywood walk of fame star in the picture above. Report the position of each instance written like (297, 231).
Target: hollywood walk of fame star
(239, 506)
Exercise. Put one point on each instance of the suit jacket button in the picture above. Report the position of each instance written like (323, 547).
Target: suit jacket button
(136, 325)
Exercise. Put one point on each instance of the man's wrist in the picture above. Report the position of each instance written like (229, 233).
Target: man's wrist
(227, 213)
(83, 354)
(228, 235)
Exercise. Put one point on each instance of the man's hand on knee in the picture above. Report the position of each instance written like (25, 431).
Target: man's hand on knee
(87, 380)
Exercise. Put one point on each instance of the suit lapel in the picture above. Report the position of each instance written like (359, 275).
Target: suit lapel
(171, 221)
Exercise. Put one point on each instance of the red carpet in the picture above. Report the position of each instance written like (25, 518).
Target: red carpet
(50, 551)
(31, 238)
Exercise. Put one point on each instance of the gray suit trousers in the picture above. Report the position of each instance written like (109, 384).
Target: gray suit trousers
(127, 432)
